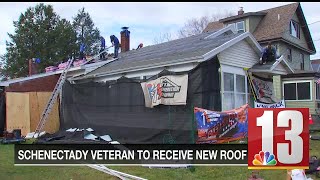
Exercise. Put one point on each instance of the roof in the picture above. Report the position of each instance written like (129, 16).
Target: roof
(315, 65)
(270, 66)
(270, 26)
(40, 75)
(195, 48)
(242, 16)
(302, 74)
(213, 26)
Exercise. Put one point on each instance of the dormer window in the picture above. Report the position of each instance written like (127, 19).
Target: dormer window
(238, 26)
(294, 29)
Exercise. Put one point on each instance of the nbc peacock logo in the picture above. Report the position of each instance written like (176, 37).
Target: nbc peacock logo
(264, 158)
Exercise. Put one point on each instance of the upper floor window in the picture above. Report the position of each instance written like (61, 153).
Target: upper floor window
(238, 26)
(294, 29)
(302, 61)
(289, 55)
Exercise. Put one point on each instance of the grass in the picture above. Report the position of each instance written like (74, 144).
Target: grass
(9, 171)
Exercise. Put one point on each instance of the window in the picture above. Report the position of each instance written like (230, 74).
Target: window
(302, 61)
(289, 55)
(294, 29)
(228, 81)
(234, 91)
(238, 26)
(317, 91)
(297, 90)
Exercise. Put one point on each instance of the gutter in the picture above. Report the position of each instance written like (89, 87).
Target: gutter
(151, 66)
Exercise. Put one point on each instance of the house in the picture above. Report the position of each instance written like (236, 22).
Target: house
(234, 51)
(27, 97)
(287, 29)
(108, 95)
(283, 26)
(315, 65)
(215, 63)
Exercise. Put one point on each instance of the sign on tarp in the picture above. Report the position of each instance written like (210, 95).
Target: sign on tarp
(263, 89)
(167, 90)
(218, 127)
(280, 104)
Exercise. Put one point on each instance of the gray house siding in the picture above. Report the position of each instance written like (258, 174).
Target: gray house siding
(296, 57)
(253, 23)
(302, 41)
(240, 55)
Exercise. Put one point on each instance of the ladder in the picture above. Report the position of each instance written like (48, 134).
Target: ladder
(52, 99)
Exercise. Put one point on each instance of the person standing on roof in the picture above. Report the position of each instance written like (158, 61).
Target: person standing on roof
(82, 48)
(269, 54)
(115, 44)
(140, 46)
(102, 48)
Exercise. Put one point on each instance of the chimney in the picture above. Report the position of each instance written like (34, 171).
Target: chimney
(33, 67)
(240, 12)
(125, 39)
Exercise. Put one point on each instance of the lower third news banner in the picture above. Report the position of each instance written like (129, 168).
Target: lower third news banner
(130, 154)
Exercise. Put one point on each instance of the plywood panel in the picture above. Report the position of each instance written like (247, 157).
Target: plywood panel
(18, 114)
(52, 124)
(34, 110)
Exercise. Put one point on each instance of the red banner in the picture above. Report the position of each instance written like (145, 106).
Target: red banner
(219, 127)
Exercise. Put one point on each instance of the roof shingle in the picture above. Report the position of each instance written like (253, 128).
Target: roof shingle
(165, 53)
(213, 26)
(270, 26)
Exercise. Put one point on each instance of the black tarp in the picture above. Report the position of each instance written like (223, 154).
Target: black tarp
(117, 108)
(2, 112)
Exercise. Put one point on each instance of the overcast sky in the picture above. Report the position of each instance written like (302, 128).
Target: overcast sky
(147, 20)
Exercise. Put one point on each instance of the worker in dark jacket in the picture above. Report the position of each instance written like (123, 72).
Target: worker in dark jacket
(140, 46)
(82, 48)
(268, 54)
(115, 44)
(102, 48)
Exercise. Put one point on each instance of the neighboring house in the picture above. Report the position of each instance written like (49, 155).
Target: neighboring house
(233, 52)
(284, 26)
(287, 29)
(315, 65)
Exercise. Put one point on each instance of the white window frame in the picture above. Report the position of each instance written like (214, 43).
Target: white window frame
(244, 28)
(235, 71)
(235, 26)
(297, 34)
(302, 81)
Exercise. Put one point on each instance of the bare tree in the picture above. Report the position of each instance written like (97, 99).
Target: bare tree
(195, 26)
(163, 37)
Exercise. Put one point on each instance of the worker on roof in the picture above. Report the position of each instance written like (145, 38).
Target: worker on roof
(115, 44)
(102, 48)
(269, 54)
(140, 46)
(82, 48)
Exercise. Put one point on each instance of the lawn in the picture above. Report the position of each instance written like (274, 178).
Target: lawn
(9, 171)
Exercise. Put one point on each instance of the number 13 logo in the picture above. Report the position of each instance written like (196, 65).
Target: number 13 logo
(278, 137)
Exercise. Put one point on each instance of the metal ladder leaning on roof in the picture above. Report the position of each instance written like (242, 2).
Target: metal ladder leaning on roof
(52, 99)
